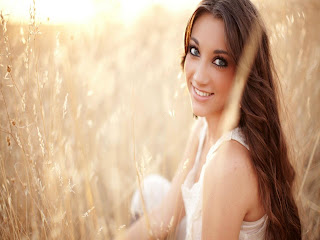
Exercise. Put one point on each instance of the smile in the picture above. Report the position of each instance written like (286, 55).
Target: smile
(201, 93)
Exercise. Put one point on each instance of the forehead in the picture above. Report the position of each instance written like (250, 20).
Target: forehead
(209, 31)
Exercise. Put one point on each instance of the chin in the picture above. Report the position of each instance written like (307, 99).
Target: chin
(200, 112)
(205, 111)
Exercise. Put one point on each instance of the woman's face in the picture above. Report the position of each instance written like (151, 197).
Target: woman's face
(208, 66)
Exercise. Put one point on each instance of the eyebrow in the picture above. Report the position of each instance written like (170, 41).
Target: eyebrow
(217, 51)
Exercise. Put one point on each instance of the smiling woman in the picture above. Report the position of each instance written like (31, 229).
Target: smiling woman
(235, 184)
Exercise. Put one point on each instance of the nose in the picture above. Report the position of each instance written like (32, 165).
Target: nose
(201, 76)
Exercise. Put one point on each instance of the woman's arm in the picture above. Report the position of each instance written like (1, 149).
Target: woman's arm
(165, 217)
(229, 182)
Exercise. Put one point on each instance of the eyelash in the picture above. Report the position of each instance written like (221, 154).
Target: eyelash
(217, 57)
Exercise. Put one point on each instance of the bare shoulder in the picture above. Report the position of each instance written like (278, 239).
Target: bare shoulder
(233, 158)
(230, 184)
(233, 166)
(240, 165)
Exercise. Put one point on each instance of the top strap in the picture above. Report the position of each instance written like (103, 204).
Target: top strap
(234, 134)
(239, 136)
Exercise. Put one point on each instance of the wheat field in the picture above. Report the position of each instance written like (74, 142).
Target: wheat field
(82, 107)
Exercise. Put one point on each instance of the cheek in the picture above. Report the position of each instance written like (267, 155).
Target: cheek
(225, 80)
(188, 67)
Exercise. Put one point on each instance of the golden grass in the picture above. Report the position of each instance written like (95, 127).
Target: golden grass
(78, 107)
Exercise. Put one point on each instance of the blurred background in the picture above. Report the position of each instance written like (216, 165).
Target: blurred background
(92, 95)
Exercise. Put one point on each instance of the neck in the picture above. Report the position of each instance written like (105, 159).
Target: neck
(214, 130)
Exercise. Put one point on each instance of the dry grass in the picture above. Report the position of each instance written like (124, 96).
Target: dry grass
(79, 103)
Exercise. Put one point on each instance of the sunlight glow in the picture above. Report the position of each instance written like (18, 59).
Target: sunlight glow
(47, 11)
(66, 11)
(83, 11)
(132, 9)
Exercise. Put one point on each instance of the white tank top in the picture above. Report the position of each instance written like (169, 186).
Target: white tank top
(192, 193)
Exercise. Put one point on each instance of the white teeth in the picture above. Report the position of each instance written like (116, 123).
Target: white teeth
(203, 94)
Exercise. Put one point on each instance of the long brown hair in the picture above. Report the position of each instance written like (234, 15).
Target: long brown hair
(259, 116)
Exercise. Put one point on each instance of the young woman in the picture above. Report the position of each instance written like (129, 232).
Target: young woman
(235, 185)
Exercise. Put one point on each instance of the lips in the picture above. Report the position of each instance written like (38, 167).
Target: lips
(201, 93)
